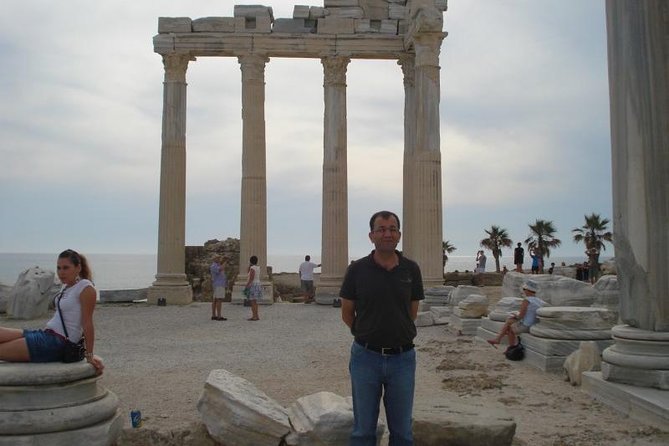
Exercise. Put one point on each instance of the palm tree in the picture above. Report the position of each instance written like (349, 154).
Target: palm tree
(541, 239)
(446, 248)
(593, 234)
(497, 239)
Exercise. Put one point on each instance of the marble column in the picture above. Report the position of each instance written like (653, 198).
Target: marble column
(171, 282)
(253, 225)
(334, 242)
(426, 186)
(407, 62)
(638, 51)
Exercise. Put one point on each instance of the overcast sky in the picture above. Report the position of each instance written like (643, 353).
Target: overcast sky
(524, 128)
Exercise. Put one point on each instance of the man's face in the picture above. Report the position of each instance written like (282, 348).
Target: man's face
(385, 234)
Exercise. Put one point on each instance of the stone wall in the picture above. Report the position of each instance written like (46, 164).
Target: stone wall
(198, 259)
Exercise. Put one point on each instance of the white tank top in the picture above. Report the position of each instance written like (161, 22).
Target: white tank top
(256, 276)
(71, 306)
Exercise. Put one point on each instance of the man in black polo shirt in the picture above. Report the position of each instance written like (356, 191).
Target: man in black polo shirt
(380, 296)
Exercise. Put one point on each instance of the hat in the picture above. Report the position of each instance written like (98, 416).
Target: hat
(531, 285)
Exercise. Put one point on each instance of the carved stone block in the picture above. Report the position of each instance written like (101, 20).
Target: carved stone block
(174, 25)
(336, 25)
(253, 24)
(214, 25)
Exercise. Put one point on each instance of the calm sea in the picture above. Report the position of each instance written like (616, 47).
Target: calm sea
(129, 271)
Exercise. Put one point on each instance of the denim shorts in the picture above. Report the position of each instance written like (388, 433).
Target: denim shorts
(43, 346)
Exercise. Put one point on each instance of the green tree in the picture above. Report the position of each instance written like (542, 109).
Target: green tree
(593, 234)
(542, 239)
(446, 248)
(498, 238)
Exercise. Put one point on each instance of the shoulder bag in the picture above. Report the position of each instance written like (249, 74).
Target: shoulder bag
(72, 352)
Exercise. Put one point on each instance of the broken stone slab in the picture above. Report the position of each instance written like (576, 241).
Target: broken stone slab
(571, 313)
(107, 296)
(461, 292)
(558, 347)
(174, 25)
(214, 25)
(438, 312)
(455, 423)
(587, 358)
(462, 326)
(583, 335)
(4, 296)
(323, 419)
(251, 11)
(424, 319)
(375, 9)
(32, 293)
(474, 305)
(236, 413)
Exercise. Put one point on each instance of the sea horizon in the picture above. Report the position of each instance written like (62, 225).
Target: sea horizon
(132, 271)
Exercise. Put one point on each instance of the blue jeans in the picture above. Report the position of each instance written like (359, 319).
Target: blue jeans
(371, 374)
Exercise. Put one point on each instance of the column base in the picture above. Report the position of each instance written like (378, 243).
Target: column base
(327, 290)
(267, 293)
(174, 295)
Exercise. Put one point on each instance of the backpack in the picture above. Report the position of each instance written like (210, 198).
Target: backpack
(515, 352)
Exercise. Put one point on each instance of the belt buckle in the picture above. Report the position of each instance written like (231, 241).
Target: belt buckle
(383, 351)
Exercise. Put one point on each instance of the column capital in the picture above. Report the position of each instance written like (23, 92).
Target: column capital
(408, 63)
(428, 47)
(176, 65)
(253, 65)
(334, 69)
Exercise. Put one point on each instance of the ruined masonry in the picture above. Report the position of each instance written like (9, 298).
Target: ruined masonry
(408, 31)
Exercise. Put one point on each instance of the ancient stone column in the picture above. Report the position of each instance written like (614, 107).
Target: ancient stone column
(407, 62)
(253, 225)
(334, 252)
(426, 221)
(638, 51)
(171, 282)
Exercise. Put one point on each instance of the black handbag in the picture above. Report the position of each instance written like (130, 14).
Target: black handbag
(72, 352)
(515, 352)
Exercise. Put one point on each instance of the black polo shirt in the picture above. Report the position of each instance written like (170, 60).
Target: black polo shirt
(383, 300)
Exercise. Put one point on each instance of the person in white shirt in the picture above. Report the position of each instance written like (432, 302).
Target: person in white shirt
(307, 279)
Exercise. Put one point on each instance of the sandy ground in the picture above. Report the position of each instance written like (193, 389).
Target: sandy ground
(157, 359)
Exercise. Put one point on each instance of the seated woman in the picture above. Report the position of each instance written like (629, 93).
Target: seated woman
(521, 322)
(76, 300)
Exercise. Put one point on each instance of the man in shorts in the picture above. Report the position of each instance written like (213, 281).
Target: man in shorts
(307, 279)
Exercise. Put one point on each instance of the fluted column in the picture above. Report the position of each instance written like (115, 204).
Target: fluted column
(171, 282)
(638, 51)
(253, 224)
(334, 252)
(407, 62)
(426, 188)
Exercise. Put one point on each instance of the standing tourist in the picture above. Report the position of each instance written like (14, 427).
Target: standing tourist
(536, 261)
(307, 279)
(75, 303)
(380, 296)
(219, 283)
(593, 264)
(253, 289)
(480, 261)
(518, 257)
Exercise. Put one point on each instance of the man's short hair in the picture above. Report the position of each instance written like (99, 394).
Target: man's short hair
(385, 215)
(307, 258)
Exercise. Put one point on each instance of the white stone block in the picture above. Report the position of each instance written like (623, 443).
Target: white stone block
(253, 25)
(587, 358)
(214, 25)
(237, 413)
(33, 291)
(335, 25)
(424, 319)
(350, 13)
(174, 25)
(301, 12)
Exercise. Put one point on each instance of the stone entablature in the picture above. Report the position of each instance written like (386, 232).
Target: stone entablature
(360, 29)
